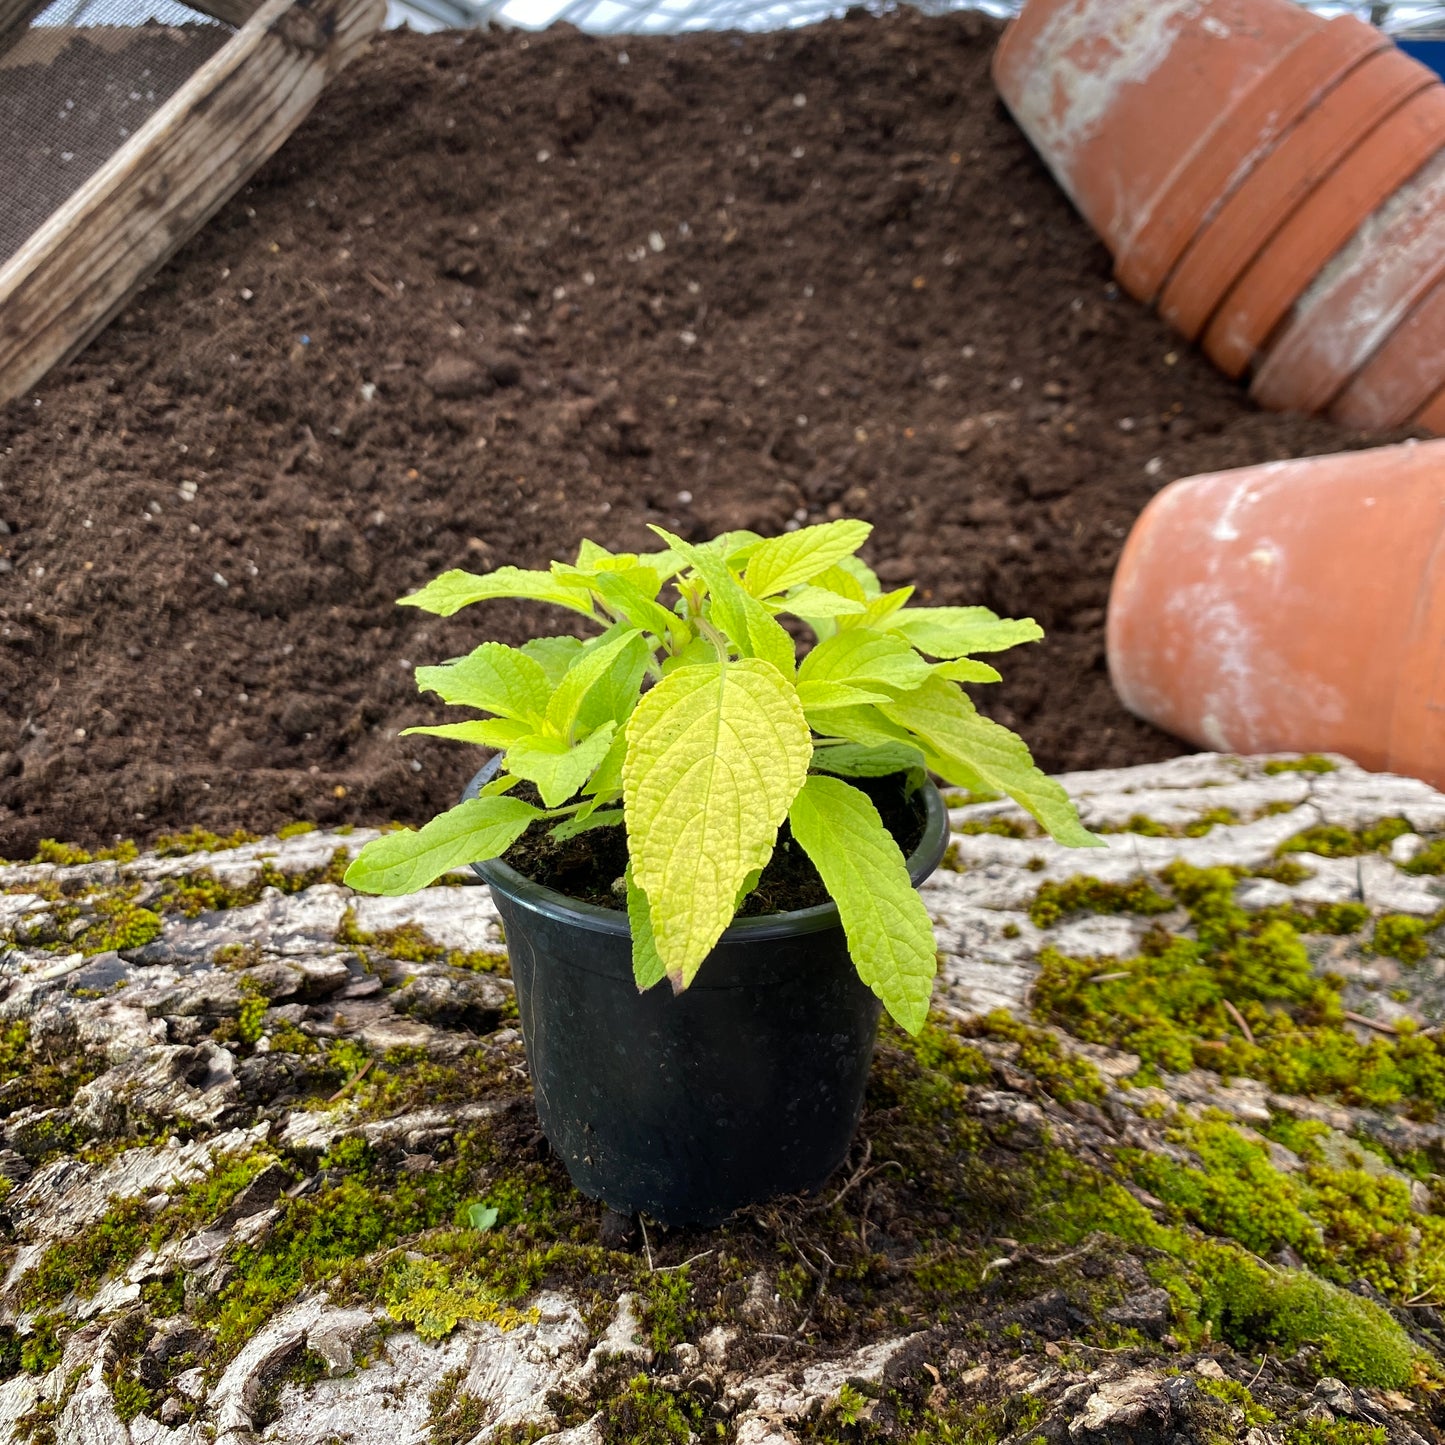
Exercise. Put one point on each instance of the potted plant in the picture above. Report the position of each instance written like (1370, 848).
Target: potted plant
(677, 770)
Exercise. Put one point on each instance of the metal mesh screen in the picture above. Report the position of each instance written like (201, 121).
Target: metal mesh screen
(658, 16)
(77, 83)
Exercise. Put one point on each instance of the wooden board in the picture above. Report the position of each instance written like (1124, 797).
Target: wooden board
(84, 263)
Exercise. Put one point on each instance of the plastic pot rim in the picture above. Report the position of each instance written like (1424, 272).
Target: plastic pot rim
(924, 859)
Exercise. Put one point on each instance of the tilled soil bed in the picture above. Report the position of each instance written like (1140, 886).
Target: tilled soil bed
(504, 291)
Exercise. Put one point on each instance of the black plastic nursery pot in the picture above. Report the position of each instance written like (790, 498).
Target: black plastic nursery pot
(686, 1107)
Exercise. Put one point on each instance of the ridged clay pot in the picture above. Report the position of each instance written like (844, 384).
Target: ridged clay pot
(1432, 414)
(1321, 227)
(1349, 329)
(1238, 140)
(1115, 93)
(1298, 606)
(1397, 383)
(1249, 223)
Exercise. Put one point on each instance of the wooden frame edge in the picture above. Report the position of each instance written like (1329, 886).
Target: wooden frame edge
(84, 262)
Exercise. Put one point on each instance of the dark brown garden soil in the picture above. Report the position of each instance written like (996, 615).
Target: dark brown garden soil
(504, 291)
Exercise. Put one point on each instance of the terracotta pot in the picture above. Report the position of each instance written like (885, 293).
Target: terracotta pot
(1432, 415)
(1230, 149)
(1349, 331)
(1321, 227)
(1298, 606)
(1397, 383)
(1283, 181)
(1114, 93)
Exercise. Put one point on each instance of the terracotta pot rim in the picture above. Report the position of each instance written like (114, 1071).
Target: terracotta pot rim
(1354, 319)
(1308, 157)
(1240, 139)
(1394, 151)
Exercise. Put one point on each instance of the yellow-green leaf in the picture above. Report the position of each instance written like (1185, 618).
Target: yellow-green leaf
(863, 658)
(605, 784)
(747, 623)
(879, 609)
(820, 696)
(797, 557)
(864, 725)
(809, 601)
(852, 760)
(965, 669)
(890, 936)
(558, 770)
(491, 732)
(595, 668)
(647, 967)
(454, 590)
(472, 832)
(866, 577)
(715, 754)
(961, 631)
(554, 654)
(641, 610)
(964, 747)
(495, 678)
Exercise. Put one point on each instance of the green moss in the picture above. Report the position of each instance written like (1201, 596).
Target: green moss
(77, 1264)
(1062, 1074)
(1335, 1432)
(62, 855)
(1309, 763)
(237, 955)
(41, 1349)
(644, 1414)
(286, 1038)
(667, 1312)
(1346, 1223)
(1330, 840)
(252, 1019)
(1207, 822)
(1233, 1392)
(198, 840)
(998, 828)
(1403, 936)
(952, 1422)
(454, 1416)
(1137, 823)
(127, 1393)
(120, 924)
(1170, 1005)
(1084, 894)
(67, 855)
(166, 1296)
(434, 1300)
(1336, 918)
(191, 894)
(295, 830)
(1429, 860)
(1221, 1291)
(1284, 870)
(410, 943)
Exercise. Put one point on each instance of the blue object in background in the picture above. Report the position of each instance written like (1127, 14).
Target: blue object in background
(1427, 52)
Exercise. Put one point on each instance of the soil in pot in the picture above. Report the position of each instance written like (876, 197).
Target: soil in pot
(587, 867)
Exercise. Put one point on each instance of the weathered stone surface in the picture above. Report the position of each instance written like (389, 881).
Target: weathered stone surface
(255, 1035)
